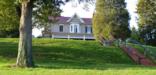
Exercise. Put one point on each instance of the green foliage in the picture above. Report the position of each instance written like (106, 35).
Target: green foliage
(146, 10)
(8, 16)
(147, 24)
(11, 11)
(9, 21)
(10, 33)
(42, 9)
(45, 8)
(135, 34)
(110, 20)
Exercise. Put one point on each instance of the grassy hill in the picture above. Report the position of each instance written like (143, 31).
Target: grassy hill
(70, 57)
(149, 50)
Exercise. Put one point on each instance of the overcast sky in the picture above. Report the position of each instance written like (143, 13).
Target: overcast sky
(131, 6)
(70, 8)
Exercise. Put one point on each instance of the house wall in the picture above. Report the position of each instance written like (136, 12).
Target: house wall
(55, 32)
(55, 28)
(75, 20)
(66, 28)
(82, 27)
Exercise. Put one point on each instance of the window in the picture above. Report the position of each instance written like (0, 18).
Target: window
(71, 29)
(74, 28)
(91, 30)
(88, 29)
(61, 28)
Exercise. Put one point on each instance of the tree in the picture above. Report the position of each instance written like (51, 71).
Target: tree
(24, 58)
(25, 11)
(147, 24)
(110, 20)
(43, 10)
(135, 34)
(8, 19)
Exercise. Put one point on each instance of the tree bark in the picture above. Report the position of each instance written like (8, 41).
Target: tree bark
(25, 58)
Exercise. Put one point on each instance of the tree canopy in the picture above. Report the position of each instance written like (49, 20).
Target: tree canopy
(43, 9)
(147, 24)
(110, 20)
(9, 21)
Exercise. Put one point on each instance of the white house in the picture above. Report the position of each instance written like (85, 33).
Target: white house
(70, 28)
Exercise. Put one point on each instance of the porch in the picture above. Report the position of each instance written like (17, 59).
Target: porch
(69, 35)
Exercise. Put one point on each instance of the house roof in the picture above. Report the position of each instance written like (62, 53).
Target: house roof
(87, 20)
(64, 20)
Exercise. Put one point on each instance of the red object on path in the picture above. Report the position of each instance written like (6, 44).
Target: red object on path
(137, 57)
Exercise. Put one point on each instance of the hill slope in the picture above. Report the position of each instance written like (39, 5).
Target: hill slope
(150, 51)
(54, 53)
(70, 57)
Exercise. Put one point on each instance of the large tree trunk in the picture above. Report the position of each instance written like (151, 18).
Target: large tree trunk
(24, 58)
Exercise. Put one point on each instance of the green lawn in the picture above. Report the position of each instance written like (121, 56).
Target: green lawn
(70, 57)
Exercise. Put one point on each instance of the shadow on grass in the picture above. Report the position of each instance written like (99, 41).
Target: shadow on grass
(76, 56)
(8, 49)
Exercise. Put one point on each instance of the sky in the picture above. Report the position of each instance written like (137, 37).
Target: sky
(131, 6)
(71, 8)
